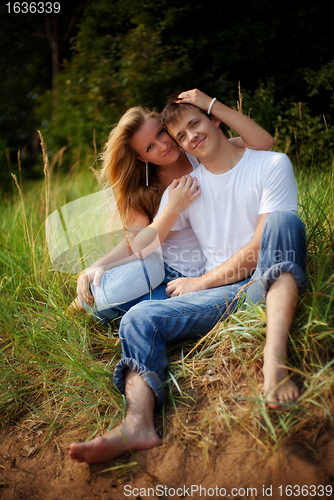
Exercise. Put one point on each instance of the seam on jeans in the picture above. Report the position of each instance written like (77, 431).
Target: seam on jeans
(148, 282)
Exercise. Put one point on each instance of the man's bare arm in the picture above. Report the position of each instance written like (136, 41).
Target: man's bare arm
(236, 268)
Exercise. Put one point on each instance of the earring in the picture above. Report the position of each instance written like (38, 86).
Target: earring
(146, 167)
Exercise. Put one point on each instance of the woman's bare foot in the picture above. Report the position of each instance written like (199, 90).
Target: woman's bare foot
(132, 435)
(278, 387)
(76, 307)
(50, 320)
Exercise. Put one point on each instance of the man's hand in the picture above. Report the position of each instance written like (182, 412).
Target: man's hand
(181, 286)
(83, 291)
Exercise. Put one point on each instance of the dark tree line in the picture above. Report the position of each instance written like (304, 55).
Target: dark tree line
(73, 74)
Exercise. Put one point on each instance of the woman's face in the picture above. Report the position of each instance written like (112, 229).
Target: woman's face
(153, 144)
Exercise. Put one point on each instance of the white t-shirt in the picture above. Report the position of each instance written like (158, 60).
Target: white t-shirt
(182, 251)
(224, 216)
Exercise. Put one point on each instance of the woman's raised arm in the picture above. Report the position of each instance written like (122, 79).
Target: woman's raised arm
(252, 135)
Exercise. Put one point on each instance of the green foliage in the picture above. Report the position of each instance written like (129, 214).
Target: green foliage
(321, 80)
(26, 60)
(306, 138)
(262, 105)
(87, 99)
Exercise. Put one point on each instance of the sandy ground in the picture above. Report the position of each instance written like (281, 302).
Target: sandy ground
(237, 463)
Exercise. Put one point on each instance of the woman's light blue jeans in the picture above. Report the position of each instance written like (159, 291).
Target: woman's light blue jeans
(124, 286)
(149, 325)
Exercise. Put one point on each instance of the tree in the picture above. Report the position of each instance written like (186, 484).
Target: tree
(32, 47)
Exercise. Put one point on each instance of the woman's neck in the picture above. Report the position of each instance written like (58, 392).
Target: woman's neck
(167, 173)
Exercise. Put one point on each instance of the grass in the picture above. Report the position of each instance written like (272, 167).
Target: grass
(57, 377)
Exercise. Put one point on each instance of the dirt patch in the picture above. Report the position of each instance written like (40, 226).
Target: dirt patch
(177, 469)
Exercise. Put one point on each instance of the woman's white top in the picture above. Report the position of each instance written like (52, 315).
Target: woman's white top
(182, 251)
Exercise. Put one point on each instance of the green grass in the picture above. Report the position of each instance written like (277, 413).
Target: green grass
(59, 375)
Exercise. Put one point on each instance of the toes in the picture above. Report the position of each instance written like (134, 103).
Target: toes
(272, 400)
(291, 395)
(76, 453)
(273, 406)
(77, 458)
(277, 400)
(80, 460)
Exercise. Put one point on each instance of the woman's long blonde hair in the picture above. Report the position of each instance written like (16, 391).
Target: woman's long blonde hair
(122, 170)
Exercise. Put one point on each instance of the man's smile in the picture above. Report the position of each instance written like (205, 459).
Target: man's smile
(199, 143)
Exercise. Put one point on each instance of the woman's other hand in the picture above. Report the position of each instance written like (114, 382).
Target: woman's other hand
(182, 192)
(91, 274)
(195, 97)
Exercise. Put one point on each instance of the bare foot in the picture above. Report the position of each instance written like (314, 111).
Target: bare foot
(278, 387)
(130, 436)
(49, 320)
(76, 307)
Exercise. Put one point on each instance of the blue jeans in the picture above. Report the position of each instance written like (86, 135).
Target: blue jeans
(148, 326)
(124, 286)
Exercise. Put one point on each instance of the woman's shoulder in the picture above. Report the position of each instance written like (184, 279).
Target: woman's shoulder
(138, 219)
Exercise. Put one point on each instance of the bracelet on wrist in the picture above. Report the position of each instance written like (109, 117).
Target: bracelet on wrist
(211, 104)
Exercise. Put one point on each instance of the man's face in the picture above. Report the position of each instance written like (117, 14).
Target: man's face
(197, 134)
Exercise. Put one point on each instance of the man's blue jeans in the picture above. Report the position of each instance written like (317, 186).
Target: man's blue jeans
(148, 326)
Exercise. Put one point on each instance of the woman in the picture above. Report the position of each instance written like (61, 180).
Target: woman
(140, 161)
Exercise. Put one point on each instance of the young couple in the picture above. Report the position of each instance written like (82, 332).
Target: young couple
(243, 216)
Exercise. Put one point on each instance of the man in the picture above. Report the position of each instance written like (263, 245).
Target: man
(244, 219)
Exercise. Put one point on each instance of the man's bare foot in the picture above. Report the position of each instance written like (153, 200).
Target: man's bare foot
(278, 387)
(132, 435)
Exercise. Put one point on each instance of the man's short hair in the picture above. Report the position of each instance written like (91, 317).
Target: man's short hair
(173, 111)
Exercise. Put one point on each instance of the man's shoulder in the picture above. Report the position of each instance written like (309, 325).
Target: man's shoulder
(266, 155)
(198, 171)
(268, 159)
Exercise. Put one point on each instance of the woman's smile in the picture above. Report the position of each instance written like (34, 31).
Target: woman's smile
(169, 151)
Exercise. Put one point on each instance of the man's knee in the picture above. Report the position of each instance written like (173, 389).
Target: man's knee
(141, 322)
(284, 229)
(284, 219)
(144, 311)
